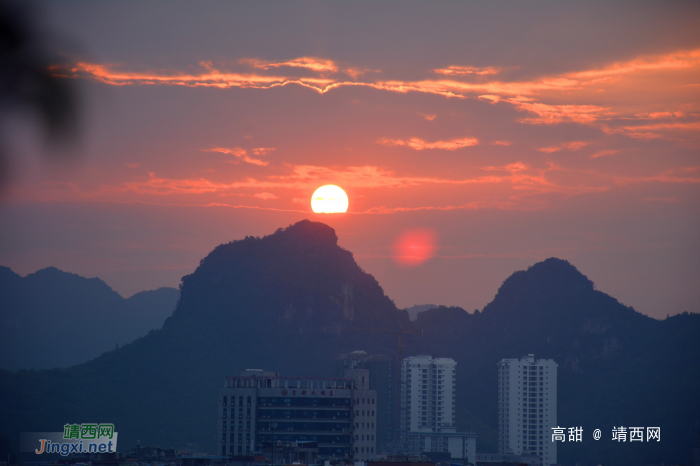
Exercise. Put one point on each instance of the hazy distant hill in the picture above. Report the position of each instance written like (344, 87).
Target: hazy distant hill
(261, 302)
(52, 318)
(413, 311)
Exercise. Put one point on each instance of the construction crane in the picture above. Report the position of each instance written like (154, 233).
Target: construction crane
(399, 352)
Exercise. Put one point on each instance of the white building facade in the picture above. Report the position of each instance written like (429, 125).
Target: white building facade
(427, 393)
(428, 409)
(527, 407)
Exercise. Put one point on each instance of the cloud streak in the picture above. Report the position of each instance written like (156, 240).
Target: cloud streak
(574, 145)
(241, 154)
(467, 70)
(311, 63)
(419, 144)
(541, 98)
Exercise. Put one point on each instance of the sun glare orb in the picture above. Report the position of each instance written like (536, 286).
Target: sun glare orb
(415, 246)
(329, 199)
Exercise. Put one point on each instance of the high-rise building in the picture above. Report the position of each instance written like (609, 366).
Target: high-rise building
(339, 414)
(427, 393)
(428, 409)
(382, 375)
(527, 407)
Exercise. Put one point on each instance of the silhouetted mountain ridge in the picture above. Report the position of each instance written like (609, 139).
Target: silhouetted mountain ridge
(44, 317)
(316, 283)
(267, 303)
(616, 366)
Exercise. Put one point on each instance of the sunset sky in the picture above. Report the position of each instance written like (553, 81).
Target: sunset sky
(509, 132)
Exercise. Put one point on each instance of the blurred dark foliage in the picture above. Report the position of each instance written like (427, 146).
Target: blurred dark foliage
(28, 79)
(264, 302)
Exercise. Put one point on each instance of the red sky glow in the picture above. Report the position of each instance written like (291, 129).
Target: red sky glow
(510, 144)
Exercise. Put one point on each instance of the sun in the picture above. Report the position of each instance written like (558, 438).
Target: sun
(329, 199)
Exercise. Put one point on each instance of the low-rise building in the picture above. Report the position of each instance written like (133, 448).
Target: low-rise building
(459, 445)
(493, 459)
(339, 414)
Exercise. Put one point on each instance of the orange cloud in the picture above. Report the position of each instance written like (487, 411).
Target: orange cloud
(262, 150)
(311, 63)
(516, 185)
(502, 143)
(309, 176)
(210, 77)
(238, 152)
(133, 165)
(672, 61)
(501, 205)
(355, 73)
(553, 114)
(265, 196)
(603, 153)
(467, 70)
(646, 98)
(665, 130)
(675, 175)
(419, 144)
(521, 177)
(491, 98)
(550, 99)
(575, 145)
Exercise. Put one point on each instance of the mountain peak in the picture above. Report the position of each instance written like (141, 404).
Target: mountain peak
(298, 274)
(550, 275)
(308, 231)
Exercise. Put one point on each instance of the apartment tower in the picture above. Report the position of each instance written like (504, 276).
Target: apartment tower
(428, 410)
(527, 407)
